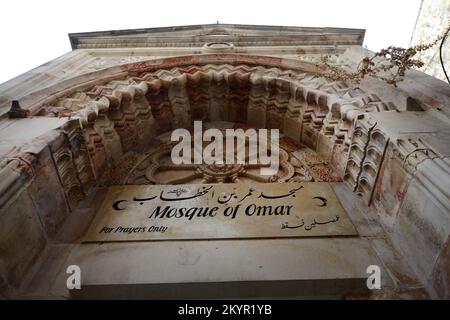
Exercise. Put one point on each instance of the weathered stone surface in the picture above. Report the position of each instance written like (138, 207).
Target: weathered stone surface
(364, 219)
(16, 131)
(22, 238)
(396, 266)
(420, 231)
(5, 290)
(52, 264)
(441, 273)
(389, 194)
(90, 54)
(47, 194)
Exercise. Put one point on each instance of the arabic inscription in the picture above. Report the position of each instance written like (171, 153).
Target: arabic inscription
(221, 211)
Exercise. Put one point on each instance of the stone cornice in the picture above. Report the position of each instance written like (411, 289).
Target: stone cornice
(198, 35)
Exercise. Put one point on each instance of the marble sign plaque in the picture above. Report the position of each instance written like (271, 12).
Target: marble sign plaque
(221, 211)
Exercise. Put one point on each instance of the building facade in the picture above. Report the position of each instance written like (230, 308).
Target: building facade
(85, 148)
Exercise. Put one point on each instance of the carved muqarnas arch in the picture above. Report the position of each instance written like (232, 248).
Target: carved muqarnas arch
(126, 107)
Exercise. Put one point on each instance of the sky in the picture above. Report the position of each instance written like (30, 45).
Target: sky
(35, 32)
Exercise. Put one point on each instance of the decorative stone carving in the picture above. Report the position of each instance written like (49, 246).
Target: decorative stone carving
(306, 108)
(366, 156)
(73, 163)
(297, 164)
(212, 47)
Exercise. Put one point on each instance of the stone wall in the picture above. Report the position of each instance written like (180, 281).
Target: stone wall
(389, 143)
(433, 19)
(401, 164)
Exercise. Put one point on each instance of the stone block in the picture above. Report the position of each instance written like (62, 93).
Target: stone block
(421, 231)
(48, 195)
(289, 267)
(22, 238)
(441, 273)
(391, 188)
(6, 291)
(292, 128)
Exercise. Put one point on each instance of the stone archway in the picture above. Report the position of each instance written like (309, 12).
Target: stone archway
(148, 99)
(112, 113)
(113, 118)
